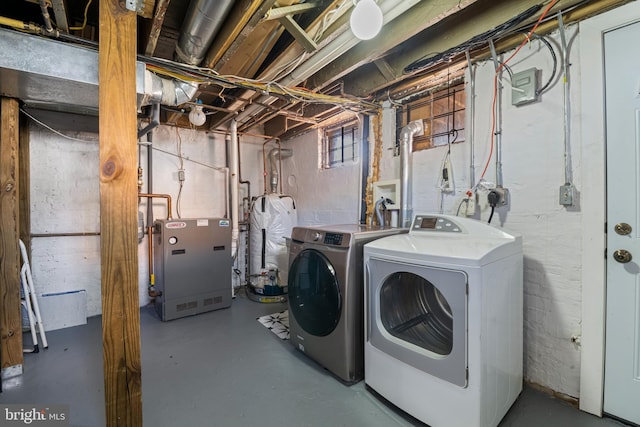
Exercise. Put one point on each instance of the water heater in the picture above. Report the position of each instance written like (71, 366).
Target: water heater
(193, 266)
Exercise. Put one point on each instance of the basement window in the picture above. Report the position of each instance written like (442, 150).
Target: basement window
(442, 112)
(340, 144)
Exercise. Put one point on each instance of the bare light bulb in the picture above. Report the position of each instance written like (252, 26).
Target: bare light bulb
(197, 116)
(366, 19)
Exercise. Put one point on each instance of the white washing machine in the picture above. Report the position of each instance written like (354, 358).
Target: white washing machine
(443, 332)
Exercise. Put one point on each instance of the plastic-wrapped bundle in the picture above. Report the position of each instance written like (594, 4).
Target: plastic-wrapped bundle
(273, 216)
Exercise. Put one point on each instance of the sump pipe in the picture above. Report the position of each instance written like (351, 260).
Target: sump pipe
(406, 157)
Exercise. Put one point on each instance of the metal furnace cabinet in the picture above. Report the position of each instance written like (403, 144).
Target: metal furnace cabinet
(192, 265)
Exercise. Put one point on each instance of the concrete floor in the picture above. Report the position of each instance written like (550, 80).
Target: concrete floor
(224, 369)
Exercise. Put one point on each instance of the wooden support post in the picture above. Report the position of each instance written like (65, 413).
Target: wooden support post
(118, 214)
(10, 313)
(24, 183)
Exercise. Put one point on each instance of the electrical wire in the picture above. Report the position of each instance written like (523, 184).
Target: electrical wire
(554, 71)
(84, 23)
(495, 82)
(52, 129)
(473, 42)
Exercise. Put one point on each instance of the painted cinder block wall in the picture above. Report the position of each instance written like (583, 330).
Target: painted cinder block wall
(65, 199)
(533, 170)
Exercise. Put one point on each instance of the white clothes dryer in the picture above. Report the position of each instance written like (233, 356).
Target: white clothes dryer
(443, 310)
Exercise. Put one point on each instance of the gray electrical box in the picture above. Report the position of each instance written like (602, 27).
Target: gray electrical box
(192, 265)
(524, 87)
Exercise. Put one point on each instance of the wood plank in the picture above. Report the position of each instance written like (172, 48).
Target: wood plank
(24, 160)
(241, 21)
(118, 213)
(10, 312)
(156, 27)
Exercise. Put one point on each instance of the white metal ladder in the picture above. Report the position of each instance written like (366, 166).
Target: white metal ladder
(30, 303)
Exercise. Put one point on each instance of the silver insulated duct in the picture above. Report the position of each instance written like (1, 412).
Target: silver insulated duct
(275, 164)
(201, 24)
(406, 168)
(32, 70)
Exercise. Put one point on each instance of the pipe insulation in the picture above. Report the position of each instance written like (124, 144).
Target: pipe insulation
(234, 160)
(201, 24)
(168, 92)
(406, 159)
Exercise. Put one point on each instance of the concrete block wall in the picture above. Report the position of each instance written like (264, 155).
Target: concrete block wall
(65, 199)
(323, 196)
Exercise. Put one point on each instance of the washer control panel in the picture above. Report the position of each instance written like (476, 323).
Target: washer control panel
(435, 223)
(333, 239)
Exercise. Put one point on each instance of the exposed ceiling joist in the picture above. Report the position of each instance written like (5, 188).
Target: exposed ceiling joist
(298, 33)
(156, 27)
(281, 12)
(238, 25)
(476, 19)
(423, 15)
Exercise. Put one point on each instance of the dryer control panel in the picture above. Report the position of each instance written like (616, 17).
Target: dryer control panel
(435, 223)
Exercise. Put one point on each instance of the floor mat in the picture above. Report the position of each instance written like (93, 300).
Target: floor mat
(278, 323)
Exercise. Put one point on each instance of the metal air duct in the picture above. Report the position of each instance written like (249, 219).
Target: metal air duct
(202, 22)
(49, 74)
(406, 169)
(275, 156)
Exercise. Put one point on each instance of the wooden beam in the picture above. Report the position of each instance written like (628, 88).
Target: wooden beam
(118, 213)
(24, 160)
(298, 33)
(10, 311)
(156, 27)
(294, 50)
(241, 21)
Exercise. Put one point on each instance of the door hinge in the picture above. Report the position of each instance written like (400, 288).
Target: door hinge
(605, 227)
(605, 253)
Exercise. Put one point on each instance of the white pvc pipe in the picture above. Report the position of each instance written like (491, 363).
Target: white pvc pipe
(234, 160)
(27, 306)
(32, 294)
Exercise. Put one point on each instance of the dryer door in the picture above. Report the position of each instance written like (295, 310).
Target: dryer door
(418, 315)
(314, 293)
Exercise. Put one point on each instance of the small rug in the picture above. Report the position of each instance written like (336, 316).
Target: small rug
(278, 323)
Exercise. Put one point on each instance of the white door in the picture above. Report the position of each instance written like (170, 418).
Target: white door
(622, 358)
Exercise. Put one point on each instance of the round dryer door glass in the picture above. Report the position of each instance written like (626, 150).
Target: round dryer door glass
(314, 294)
(413, 310)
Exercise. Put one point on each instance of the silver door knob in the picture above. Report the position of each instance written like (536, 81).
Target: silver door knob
(622, 256)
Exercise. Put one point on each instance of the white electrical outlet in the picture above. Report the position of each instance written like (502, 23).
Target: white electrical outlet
(471, 205)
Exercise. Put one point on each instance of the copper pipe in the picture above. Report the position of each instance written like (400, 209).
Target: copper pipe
(163, 196)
